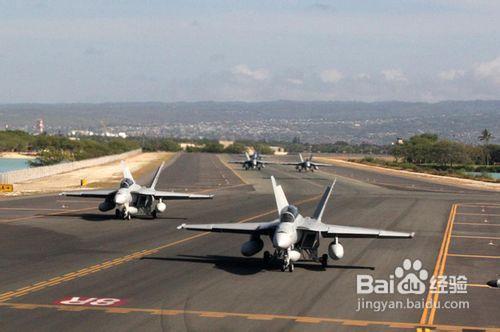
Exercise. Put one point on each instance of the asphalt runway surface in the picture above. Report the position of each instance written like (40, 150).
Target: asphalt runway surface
(66, 266)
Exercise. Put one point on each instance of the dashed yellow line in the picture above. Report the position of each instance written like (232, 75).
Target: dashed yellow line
(476, 237)
(478, 224)
(478, 214)
(120, 260)
(474, 256)
(249, 316)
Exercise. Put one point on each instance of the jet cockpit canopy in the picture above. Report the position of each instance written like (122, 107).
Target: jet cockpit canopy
(126, 183)
(289, 213)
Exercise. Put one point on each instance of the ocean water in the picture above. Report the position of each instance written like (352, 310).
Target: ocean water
(12, 164)
(495, 176)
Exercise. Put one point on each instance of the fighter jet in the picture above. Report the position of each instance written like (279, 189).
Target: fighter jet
(252, 162)
(294, 236)
(132, 199)
(306, 164)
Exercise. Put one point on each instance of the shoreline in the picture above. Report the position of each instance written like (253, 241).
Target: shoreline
(16, 155)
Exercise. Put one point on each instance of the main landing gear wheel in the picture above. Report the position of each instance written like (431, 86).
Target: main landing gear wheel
(117, 214)
(267, 257)
(324, 260)
(154, 214)
(290, 267)
(283, 267)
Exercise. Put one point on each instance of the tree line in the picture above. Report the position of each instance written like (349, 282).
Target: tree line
(430, 149)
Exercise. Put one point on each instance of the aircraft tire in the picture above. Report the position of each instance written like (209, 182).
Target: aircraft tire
(154, 214)
(324, 260)
(290, 267)
(267, 257)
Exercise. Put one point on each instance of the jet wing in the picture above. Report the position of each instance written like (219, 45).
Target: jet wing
(242, 228)
(90, 193)
(237, 161)
(170, 195)
(360, 232)
(322, 165)
(289, 163)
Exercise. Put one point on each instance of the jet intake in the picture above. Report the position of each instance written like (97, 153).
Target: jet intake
(160, 207)
(106, 206)
(252, 247)
(294, 255)
(335, 251)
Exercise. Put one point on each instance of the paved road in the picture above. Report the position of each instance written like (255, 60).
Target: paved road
(54, 250)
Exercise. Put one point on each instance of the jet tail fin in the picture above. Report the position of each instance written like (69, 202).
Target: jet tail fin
(157, 176)
(301, 159)
(279, 195)
(126, 171)
(318, 213)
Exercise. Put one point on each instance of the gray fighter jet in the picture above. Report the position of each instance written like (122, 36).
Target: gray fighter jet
(306, 164)
(252, 162)
(132, 199)
(294, 236)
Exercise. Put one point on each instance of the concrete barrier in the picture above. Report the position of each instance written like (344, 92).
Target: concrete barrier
(43, 171)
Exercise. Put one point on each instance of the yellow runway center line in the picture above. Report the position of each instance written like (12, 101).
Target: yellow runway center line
(121, 260)
(31, 209)
(232, 170)
(447, 233)
(251, 316)
(6, 221)
(432, 313)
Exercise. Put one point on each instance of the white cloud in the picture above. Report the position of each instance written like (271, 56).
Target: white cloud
(451, 75)
(489, 70)
(259, 74)
(295, 81)
(394, 75)
(331, 76)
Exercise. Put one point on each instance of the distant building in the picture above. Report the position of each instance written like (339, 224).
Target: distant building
(279, 150)
(40, 126)
(186, 145)
(225, 144)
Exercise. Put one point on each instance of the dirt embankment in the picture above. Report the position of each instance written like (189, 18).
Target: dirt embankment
(102, 176)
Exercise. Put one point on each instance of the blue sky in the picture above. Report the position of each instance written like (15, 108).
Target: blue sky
(98, 51)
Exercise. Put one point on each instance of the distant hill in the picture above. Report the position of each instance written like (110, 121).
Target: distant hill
(317, 121)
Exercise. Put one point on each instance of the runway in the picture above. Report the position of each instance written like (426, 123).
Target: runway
(64, 265)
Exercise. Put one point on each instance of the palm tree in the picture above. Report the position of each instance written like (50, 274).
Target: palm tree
(485, 137)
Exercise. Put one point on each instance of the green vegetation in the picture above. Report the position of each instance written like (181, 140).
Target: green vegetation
(159, 144)
(427, 153)
(55, 149)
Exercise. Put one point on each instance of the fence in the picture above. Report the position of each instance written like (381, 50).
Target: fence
(43, 171)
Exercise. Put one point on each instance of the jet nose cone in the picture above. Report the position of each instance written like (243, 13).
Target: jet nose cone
(282, 241)
(494, 283)
(120, 198)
